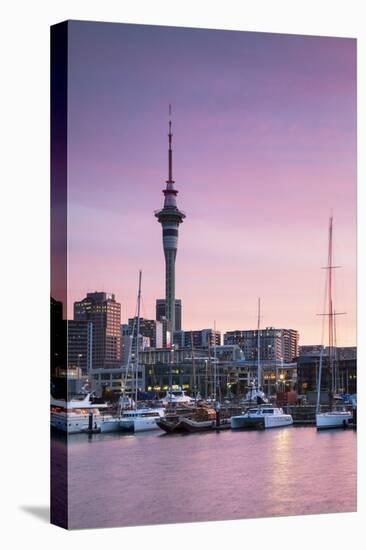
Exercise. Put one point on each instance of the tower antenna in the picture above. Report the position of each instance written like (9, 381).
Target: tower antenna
(170, 152)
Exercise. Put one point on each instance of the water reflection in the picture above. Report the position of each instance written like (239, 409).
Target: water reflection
(125, 479)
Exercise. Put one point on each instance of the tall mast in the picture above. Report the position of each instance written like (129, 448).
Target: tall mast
(258, 346)
(215, 366)
(193, 369)
(330, 300)
(137, 336)
(331, 314)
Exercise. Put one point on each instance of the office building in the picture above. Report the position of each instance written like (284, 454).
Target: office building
(104, 313)
(275, 344)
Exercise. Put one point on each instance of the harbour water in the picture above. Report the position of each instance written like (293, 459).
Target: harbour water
(150, 478)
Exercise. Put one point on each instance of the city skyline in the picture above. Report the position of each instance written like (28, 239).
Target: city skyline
(264, 149)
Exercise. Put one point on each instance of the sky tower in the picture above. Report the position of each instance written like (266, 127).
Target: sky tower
(170, 217)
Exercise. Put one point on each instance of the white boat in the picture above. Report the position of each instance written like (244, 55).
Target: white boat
(74, 416)
(333, 419)
(139, 420)
(111, 423)
(177, 396)
(261, 418)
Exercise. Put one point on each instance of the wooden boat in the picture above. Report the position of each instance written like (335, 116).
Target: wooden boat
(201, 419)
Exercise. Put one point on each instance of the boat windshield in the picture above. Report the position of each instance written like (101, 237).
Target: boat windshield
(267, 411)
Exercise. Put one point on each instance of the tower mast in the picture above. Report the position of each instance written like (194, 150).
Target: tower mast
(170, 217)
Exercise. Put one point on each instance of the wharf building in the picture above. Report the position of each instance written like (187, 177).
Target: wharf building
(194, 370)
(344, 365)
(275, 344)
(104, 312)
(170, 217)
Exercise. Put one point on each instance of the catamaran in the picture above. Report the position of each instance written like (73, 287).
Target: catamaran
(261, 417)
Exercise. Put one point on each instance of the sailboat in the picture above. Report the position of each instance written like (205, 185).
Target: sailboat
(255, 393)
(332, 418)
(263, 416)
(139, 419)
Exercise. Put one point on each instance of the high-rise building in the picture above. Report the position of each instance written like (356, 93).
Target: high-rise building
(197, 338)
(79, 345)
(161, 312)
(149, 328)
(275, 344)
(104, 312)
(125, 343)
(170, 218)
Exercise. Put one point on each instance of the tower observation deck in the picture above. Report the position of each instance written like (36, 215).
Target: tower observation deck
(170, 217)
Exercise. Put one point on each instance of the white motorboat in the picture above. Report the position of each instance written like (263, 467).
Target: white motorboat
(261, 418)
(333, 419)
(138, 420)
(177, 396)
(74, 416)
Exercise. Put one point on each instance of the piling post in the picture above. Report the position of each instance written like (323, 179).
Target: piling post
(90, 425)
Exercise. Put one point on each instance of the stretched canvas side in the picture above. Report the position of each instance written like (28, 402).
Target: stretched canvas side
(59, 58)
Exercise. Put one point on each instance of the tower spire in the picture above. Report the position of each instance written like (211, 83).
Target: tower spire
(170, 175)
(170, 217)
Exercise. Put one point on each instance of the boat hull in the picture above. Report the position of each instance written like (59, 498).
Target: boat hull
(191, 426)
(138, 425)
(242, 422)
(170, 426)
(260, 423)
(333, 420)
(110, 425)
(73, 425)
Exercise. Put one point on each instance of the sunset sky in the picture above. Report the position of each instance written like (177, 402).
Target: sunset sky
(264, 140)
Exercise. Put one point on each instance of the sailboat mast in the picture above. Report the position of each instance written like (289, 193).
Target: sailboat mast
(258, 346)
(193, 369)
(330, 301)
(215, 365)
(137, 336)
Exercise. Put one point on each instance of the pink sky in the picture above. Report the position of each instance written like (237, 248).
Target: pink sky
(264, 148)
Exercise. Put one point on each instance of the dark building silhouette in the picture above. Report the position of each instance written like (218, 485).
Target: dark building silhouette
(58, 337)
(80, 342)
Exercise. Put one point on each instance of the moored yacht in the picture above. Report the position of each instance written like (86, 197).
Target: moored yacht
(138, 420)
(74, 416)
(333, 419)
(260, 418)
